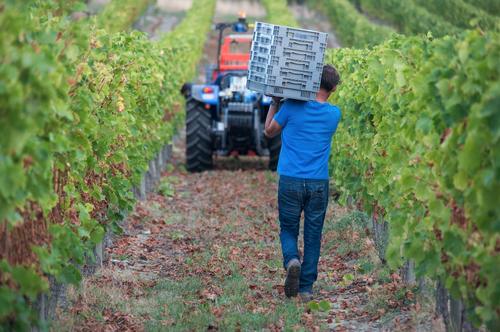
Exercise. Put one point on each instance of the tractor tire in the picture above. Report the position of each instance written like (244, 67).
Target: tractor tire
(198, 137)
(274, 145)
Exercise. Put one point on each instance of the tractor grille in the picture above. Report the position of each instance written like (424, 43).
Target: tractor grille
(240, 115)
(240, 107)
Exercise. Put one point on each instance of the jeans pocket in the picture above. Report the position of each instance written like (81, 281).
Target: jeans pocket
(319, 195)
(319, 190)
(289, 203)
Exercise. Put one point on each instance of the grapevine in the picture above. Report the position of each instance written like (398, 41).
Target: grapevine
(354, 29)
(419, 141)
(461, 14)
(83, 112)
(409, 17)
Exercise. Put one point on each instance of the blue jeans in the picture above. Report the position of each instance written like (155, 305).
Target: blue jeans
(294, 196)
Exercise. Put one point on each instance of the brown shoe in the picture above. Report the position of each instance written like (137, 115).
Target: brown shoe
(292, 278)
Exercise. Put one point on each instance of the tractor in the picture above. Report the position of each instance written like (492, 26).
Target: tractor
(223, 117)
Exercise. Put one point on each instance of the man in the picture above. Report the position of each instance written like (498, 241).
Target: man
(307, 128)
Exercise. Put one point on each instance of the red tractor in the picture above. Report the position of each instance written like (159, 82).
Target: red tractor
(223, 117)
(234, 54)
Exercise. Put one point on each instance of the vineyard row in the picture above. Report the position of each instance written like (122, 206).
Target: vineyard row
(84, 109)
(418, 147)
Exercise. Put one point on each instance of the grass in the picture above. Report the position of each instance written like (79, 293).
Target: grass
(383, 274)
(173, 219)
(350, 231)
(195, 303)
(366, 265)
(120, 257)
(94, 300)
(171, 306)
(271, 177)
(174, 305)
(154, 212)
(166, 186)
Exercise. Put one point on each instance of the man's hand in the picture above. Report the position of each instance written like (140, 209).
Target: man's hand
(272, 128)
(277, 99)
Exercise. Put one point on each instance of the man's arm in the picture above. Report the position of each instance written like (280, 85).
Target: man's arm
(271, 127)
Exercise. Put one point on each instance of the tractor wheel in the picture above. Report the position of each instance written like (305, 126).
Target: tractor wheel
(274, 145)
(198, 138)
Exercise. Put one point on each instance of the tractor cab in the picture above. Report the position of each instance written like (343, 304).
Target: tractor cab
(234, 54)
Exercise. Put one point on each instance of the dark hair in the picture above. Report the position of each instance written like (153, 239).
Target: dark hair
(330, 78)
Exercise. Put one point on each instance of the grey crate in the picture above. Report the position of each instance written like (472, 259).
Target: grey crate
(279, 91)
(284, 31)
(283, 76)
(285, 61)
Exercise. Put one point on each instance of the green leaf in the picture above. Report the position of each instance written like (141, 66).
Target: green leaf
(469, 158)
(460, 181)
(79, 7)
(30, 283)
(324, 305)
(348, 277)
(453, 243)
(424, 125)
(7, 299)
(313, 306)
(97, 234)
(422, 191)
(70, 275)
(438, 210)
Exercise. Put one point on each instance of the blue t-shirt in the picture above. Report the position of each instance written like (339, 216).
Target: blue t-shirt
(306, 137)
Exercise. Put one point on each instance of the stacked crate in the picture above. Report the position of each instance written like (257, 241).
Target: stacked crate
(286, 62)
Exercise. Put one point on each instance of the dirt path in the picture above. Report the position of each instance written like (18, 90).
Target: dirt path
(231, 8)
(162, 16)
(203, 254)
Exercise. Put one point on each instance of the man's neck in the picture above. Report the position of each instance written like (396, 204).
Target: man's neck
(322, 96)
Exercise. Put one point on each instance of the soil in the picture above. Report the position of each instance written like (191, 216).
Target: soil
(162, 17)
(231, 8)
(174, 5)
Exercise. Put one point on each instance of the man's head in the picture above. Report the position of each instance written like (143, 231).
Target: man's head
(329, 79)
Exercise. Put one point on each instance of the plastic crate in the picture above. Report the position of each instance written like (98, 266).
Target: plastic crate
(286, 62)
(268, 29)
(284, 92)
